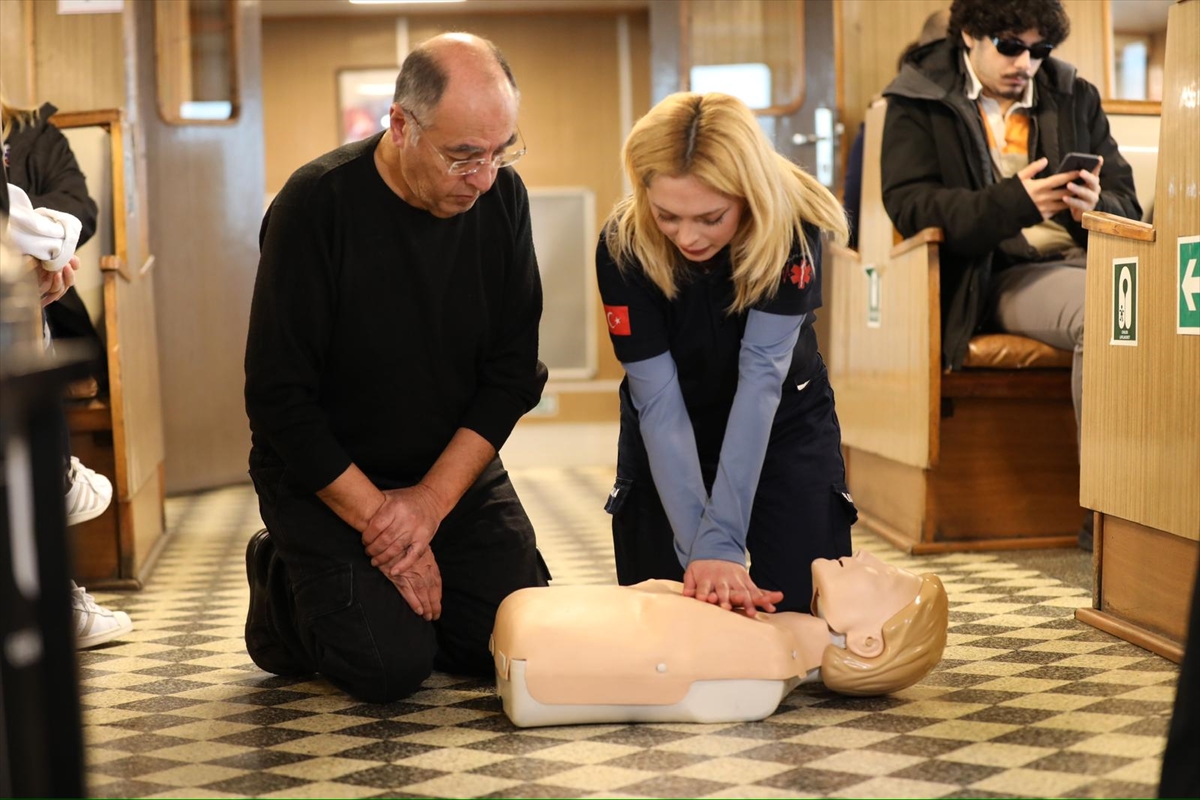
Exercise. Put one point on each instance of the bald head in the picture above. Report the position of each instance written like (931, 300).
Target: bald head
(459, 62)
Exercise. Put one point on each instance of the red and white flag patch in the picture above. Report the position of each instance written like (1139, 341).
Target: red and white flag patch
(618, 320)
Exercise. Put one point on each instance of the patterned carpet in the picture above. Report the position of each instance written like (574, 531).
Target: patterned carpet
(1027, 702)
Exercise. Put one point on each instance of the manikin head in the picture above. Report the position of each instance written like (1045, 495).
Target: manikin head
(894, 622)
(453, 121)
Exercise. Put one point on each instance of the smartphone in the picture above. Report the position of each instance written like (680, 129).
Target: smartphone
(1077, 161)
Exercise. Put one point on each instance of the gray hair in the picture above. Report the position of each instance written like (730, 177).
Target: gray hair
(422, 80)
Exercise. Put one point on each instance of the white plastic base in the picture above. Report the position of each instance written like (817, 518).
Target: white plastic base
(706, 701)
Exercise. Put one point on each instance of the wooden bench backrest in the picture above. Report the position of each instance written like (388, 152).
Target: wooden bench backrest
(1141, 427)
(120, 300)
(887, 377)
(1137, 138)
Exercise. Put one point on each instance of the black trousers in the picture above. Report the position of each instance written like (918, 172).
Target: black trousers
(802, 510)
(68, 318)
(333, 613)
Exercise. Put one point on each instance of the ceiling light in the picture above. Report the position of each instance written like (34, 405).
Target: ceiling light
(398, 2)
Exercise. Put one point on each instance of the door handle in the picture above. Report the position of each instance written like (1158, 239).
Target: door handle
(825, 137)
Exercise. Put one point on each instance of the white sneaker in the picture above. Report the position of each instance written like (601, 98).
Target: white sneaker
(89, 495)
(95, 624)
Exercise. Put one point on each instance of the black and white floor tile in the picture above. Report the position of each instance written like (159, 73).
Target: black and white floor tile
(1027, 702)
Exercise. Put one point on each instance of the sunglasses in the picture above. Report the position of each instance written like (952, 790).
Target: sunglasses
(1014, 47)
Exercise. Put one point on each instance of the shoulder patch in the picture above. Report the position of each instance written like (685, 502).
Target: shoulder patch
(618, 320)
(799, 272)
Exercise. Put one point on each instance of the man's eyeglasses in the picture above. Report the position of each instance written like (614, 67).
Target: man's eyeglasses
(1014, 47)
(470, 166)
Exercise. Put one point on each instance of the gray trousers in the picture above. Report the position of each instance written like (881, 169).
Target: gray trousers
(1044, 301)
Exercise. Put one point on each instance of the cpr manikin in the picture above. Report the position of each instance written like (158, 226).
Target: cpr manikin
(645, 653)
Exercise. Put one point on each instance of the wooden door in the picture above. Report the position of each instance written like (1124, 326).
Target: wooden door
(206, 197)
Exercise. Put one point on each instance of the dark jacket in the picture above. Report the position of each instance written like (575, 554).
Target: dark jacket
(40, 162)
(937, 172)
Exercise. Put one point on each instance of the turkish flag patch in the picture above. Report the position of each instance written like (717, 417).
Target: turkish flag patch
(618, 320)
(800, 273)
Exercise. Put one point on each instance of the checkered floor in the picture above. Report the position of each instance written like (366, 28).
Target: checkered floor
(1028, 702)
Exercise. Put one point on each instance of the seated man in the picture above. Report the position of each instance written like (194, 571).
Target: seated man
(646, 653)
(976, 126)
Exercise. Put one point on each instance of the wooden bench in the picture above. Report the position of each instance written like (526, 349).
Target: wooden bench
(119, 435)
(982, 458)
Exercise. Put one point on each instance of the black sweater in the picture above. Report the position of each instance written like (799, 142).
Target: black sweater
(377, 330)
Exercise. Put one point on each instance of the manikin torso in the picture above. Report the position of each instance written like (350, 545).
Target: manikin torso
(579, 654)
(646, 643)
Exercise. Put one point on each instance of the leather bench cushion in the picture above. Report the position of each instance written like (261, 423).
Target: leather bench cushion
(1007, 351)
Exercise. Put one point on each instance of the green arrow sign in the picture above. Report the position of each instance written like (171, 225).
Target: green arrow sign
(1188, 282)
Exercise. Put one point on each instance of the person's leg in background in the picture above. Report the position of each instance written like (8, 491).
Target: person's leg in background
(69, 319)
(1044, 301)
(87, 496)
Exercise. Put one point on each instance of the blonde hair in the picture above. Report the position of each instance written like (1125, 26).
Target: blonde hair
(14, 117)
(913, 641)
(716, 139)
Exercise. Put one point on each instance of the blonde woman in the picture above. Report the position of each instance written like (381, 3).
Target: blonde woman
(710, 273)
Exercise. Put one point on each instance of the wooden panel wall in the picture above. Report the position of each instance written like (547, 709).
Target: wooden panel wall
(16, 74)
(1085, 46)
(300, 60)
(205, 186)
(79, 60)
(1141, 421)
(899, 360)
(873, 36)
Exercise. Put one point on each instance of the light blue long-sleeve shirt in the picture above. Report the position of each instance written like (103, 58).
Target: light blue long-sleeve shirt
(714, 527)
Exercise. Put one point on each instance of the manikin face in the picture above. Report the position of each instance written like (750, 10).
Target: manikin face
(697, 219)
(857, 595)
(1003, 76)
(472, 121)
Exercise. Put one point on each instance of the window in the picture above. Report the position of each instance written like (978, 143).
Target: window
(752, 49)
(196, 57)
